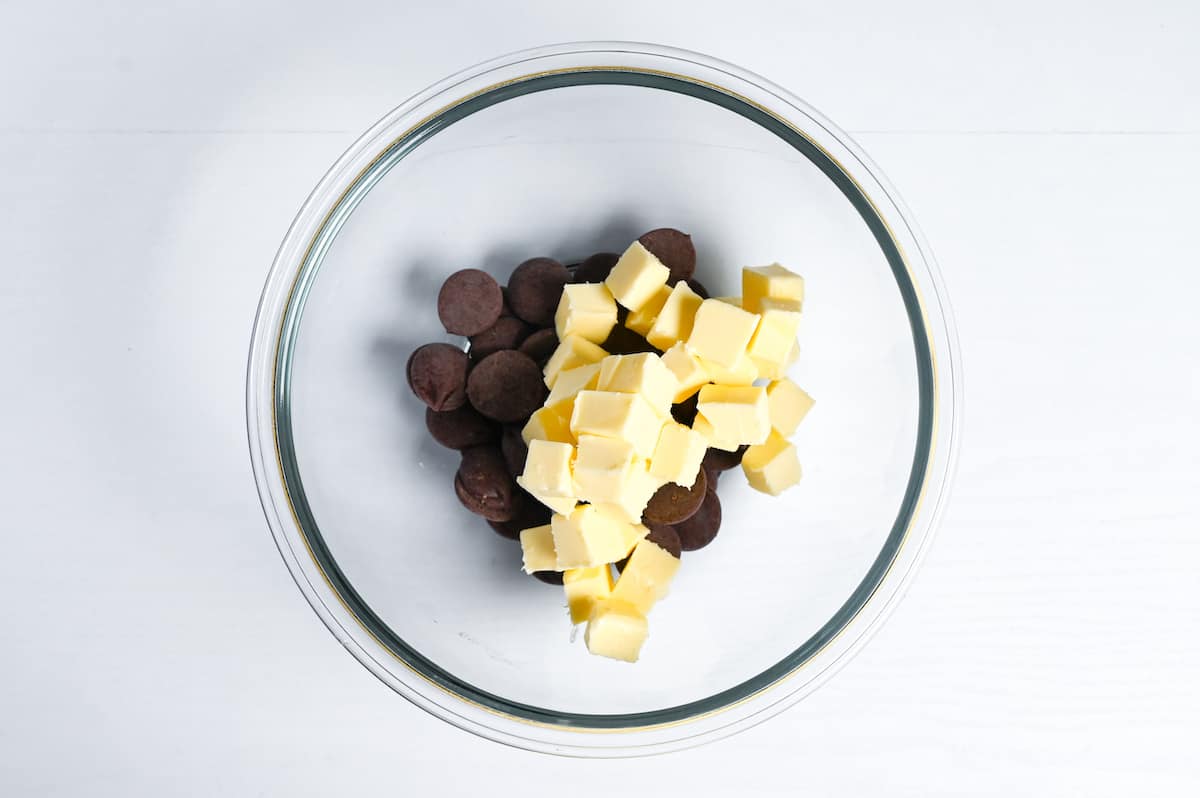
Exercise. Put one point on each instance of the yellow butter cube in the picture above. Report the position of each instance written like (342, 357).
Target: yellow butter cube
(640, 485)
(646, 578)
(572, 352)
(772, 281)
(616, 630)
(700, 425)
(617, 415)
(733, 415)
(548, 469)
(773, 371)
(537, 550)
(689, 371)
(572, 381)
(602, 468)
(721, 332)
(787, 405)
(637, 277)
(642, 319)
(587, 310)
(678, 454)
(736, 301)
(772, 341)
(563, 505)
(743, 372)
(642, 373)
(591, 536)
(550, 423)
(675, 320)
(772, 467)
(585, 588)
(768, 370)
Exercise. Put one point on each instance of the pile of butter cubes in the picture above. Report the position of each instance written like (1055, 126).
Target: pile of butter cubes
(605, 441)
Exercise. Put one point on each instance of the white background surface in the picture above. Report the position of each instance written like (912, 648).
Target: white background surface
(151, 157)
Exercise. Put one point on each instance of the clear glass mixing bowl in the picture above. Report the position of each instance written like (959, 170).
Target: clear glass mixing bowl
(564, 151)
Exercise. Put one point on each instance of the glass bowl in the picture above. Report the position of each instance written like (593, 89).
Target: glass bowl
(564, 151)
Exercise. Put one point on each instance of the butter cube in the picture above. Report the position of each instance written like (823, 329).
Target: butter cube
(772, 341)
(642, 319)
(537, 550)
(602, 468)
(550, 423)
(563, 505)
(617, 415)
(736, 301)
(637, 277)
(572, 381)
(640, 485)
(642, 373)
(592, 536)
(775, 371)
(675, 320)
(585, 588)
(689, 372)
(768, 370)
(616, 630)
(743, 372)
(572, 352)
(721, 332)
(678, 454)
(587, 310)
(772, 467)
(787, 405)
(548, 469)
(772, 281)
(733, 415)
(700, 425)
(646, 577)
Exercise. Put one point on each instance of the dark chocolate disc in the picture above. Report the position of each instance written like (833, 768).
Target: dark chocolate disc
(699, 530)
(674, 249)
(484, 485)
(506, 386)
(437, 374)
(672, 503)
(470, 302)
(460, 428)
(507, 333)
(535, 288)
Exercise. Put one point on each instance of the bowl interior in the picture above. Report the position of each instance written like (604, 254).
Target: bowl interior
(565, 172)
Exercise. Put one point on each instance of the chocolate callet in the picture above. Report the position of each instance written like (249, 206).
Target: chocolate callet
(535, 288)
(529, 513)
(460, 428)
(595, 268)
(506, 386)
(540, 345)
(666, 538)
(507, 333)
(484, 485)
(699, 530)
(470, 302)
(721, 460)
(672, 503)
(437, 374)
(674, 249)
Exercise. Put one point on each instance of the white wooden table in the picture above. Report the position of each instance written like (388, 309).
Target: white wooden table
(151, 156)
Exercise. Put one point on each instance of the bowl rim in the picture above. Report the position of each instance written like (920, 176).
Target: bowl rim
(297, 262)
